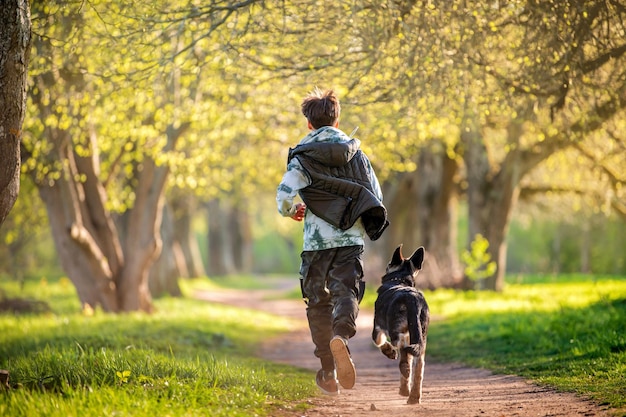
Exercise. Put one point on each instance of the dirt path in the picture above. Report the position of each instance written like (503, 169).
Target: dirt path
(449, 389)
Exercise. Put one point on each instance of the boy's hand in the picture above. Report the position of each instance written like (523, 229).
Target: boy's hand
(300, 210)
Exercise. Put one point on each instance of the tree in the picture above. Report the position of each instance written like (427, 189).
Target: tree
(563, 81)
(15, 38)
(517, 81)
(111, 129)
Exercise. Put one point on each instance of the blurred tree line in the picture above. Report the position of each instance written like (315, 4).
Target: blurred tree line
(145, 122)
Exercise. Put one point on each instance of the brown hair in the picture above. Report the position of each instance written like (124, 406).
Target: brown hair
(321, 108)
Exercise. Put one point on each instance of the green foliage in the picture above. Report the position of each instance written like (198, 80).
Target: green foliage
(277, 239)
(25, 240)
(188, 359)
(567, 335)
(543, 243)
(478, 263)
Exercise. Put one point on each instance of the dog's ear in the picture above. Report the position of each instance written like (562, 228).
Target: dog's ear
(396, 259)
(418, 258)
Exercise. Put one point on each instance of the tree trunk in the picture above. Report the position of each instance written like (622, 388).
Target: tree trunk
(217, 264)
(422, 209)
(15, 36)
(142, 238)
(170, 265)
(242, 244)
(585, 246)
(224, 238)
(230, 242)
(83, 257)
(555, 264)
(401, 199)
(107, 262)
(491, 196)
(437, 207)
(183, 207)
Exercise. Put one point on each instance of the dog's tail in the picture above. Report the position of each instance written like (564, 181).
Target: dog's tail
(415, 329)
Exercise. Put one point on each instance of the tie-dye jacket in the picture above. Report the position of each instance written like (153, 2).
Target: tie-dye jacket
(319, 234)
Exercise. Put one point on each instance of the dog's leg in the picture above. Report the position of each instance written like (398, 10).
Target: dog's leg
(380, 340)
(406, 360)
(418, 376)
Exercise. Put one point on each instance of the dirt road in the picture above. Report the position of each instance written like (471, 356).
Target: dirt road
(449, 390)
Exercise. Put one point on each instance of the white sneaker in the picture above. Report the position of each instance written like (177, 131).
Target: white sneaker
(326, 382)
(346, 373)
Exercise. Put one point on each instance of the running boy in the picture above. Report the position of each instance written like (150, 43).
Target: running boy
(342, 201)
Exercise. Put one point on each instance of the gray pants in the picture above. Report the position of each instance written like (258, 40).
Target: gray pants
(332, 287)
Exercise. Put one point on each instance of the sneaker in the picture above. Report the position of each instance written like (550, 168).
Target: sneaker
(346, 373)
(326, 382)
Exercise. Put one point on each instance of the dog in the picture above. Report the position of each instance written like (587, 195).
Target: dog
(401, 318)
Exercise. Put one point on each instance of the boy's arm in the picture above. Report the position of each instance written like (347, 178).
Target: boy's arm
(293, 180)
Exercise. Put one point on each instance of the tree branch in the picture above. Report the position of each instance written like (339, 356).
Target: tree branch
(596, 63)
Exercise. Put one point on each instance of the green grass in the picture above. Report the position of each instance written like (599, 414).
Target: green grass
(559, 278)
(570, 335)
(190, 358)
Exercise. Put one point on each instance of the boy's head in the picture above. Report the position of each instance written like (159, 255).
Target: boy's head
(321, 108)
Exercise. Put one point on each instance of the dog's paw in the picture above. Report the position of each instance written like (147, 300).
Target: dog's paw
(388, 350)
(414, 400)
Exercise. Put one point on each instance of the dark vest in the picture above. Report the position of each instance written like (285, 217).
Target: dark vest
(340, 191)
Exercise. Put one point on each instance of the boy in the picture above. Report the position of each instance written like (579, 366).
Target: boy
(342, 201)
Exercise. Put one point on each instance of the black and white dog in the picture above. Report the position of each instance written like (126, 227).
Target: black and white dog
(401, 319)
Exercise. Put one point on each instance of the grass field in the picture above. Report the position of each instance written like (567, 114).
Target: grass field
(192, 358)
(189, 359)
